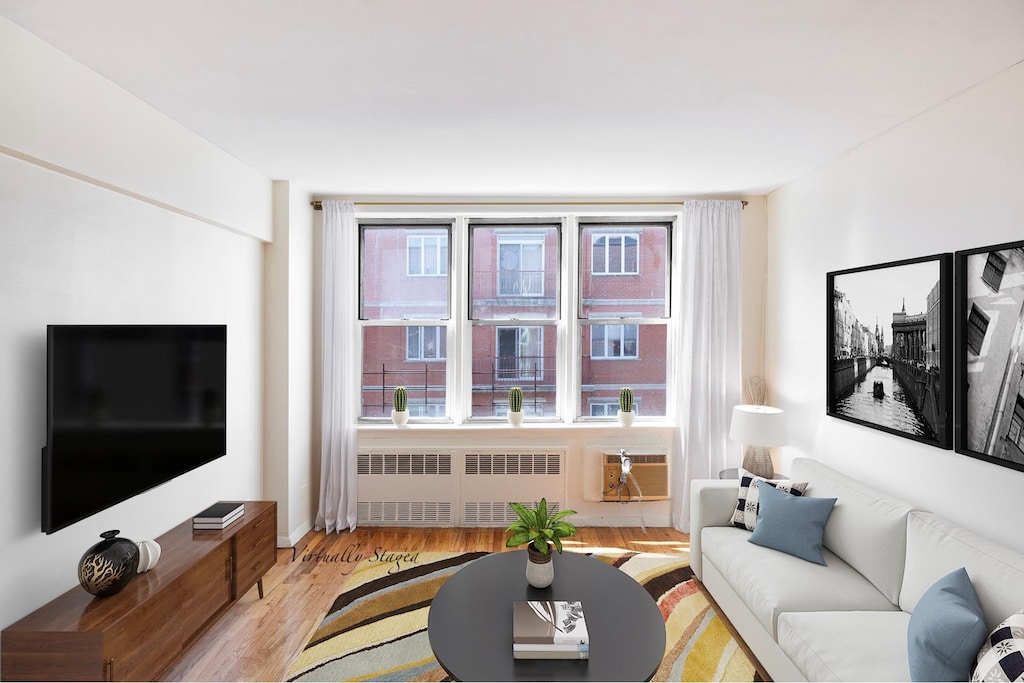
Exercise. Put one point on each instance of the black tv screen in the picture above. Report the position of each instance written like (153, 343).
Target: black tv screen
(128, 408)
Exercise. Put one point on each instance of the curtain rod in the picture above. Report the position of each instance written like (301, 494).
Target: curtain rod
(317, 204)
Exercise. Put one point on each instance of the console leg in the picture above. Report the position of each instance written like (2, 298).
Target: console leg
(259, 586)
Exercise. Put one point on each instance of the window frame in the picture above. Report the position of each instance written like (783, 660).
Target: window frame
(977, 328)
(622, 339)
(440, 338)
(441, 263)
(563, 397)
(607, 272)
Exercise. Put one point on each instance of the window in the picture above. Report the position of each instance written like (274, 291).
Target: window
(520, 353)
(613, 341)
(520, 267)
(427, 254)
(995, 266)
(425, 343)
(977, 325)
(1016, 433)
(604, 408)
(395, 304)
(569, 309)
(614, 254)
(623, 322)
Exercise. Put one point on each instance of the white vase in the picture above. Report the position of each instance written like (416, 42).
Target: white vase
(515, 417)
(399, 417)
(149, 555)
(626, 417)
(540, 569)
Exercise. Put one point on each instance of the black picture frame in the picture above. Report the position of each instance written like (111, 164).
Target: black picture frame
(889, 362)
(990, 353)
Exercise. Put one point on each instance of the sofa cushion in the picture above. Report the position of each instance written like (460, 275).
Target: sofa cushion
(792, 524)
(1002, 655)
(937, 546)
(745, 516)
(946, 630)
(867, 529)
(847, 646)
(771, 582)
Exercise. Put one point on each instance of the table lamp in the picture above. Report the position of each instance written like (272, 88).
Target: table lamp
(760, 428)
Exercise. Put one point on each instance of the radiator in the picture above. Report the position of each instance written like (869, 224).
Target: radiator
(649, 470)
(490, 479)
(456, 488)
(405, 488)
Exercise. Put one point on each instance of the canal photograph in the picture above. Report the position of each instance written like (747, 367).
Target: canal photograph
(890, 347)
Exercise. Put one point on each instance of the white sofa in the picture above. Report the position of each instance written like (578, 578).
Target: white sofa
(846, 621)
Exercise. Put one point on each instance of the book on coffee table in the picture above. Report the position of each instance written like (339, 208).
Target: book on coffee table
(549, 629)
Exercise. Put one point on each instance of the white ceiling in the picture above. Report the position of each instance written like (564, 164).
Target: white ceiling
(555, 98)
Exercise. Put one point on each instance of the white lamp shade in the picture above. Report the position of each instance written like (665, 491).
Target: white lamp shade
(758, 425)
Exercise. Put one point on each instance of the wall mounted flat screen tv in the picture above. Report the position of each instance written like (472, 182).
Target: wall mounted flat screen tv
(128, 408)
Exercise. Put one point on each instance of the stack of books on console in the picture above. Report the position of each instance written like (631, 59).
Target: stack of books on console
(218, 516)
(549, 629)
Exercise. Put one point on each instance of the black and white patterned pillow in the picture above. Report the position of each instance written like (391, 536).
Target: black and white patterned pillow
(745, 516)
(1002, 656)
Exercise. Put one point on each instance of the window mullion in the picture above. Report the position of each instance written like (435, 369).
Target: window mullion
(570, 353)
(460, 379)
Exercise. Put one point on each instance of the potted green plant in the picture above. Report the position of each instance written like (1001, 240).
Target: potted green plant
(400, 412)
(515, 406)
(540, 532)
(626, 413)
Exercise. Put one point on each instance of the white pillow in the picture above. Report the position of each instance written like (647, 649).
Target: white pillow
(745, 516)
(1002, 655)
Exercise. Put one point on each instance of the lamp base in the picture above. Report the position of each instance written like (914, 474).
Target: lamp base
(757, 460)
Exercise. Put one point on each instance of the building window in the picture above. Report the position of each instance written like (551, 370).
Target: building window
(425, 343)
(520, 267)
(615, 254)
(995, 266)
(520, 353)
(977, 325)
(613, 341)
(605, 408)
(427, 254)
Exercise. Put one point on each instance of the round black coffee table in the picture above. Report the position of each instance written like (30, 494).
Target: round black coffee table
(470, 621)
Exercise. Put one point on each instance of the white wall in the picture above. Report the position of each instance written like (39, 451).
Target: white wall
(108, 212)
(287, 363)
(59, 113)
(949, 179)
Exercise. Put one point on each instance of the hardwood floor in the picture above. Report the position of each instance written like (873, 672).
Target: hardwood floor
(257, 639)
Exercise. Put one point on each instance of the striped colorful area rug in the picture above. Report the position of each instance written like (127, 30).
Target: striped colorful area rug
(377, 629)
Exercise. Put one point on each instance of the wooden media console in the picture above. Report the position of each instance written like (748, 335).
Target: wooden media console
(138, 633)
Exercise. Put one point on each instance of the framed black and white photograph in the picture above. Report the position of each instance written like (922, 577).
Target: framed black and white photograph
(890, 347)
(990, 353)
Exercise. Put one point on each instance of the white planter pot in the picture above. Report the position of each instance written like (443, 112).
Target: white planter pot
(539, 574)
(399, 417)
(626, 418)
(515, 417)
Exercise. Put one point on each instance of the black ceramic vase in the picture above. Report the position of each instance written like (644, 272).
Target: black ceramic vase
(108, 566)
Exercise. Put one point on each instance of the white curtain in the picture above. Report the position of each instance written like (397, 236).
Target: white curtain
(340, 368)
(709, 343)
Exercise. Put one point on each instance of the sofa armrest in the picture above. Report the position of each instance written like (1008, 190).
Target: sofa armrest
(712, 503)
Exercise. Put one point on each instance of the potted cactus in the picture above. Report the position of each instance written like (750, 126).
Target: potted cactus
(515, 406)
(626, 413)
(400, 413)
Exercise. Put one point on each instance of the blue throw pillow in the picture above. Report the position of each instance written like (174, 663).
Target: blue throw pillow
(946, 630)
(790, 524)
